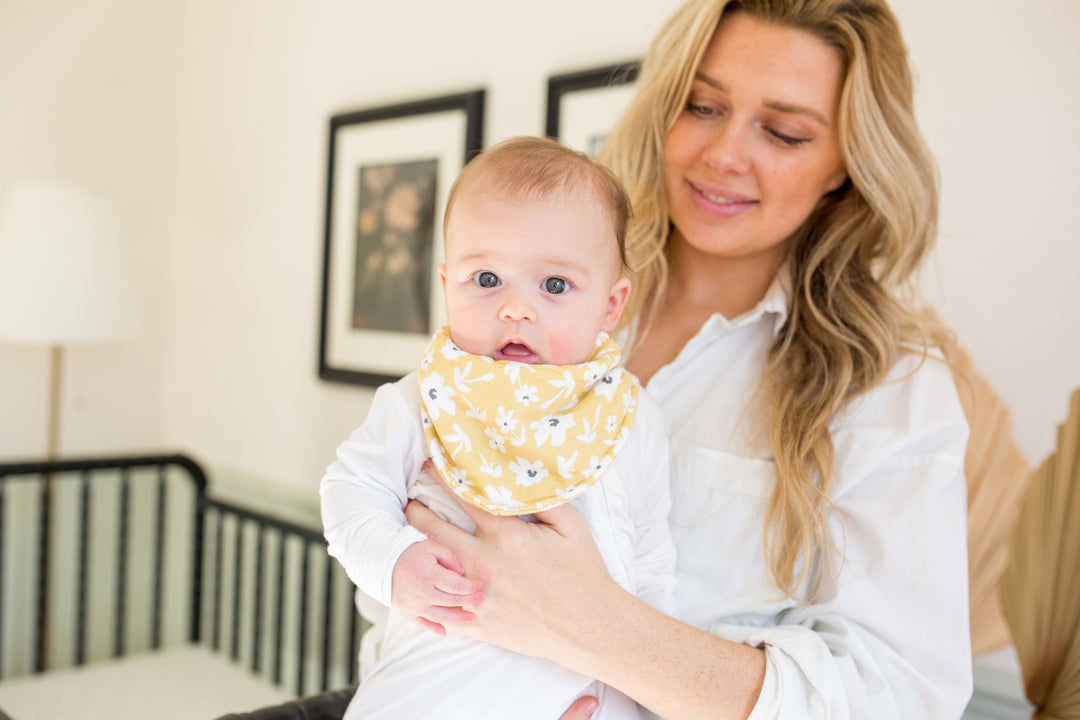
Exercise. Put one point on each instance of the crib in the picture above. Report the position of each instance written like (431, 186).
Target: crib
(122, 575)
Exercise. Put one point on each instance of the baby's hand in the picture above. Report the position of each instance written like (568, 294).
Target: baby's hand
(429, 587)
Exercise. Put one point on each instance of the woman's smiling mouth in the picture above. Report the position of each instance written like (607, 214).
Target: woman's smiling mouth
(719, 202)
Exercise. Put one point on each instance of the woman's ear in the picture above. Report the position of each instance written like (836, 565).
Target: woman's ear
(620, 291)
(836, 181)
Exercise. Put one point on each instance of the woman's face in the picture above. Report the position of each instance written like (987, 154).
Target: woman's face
(757, 144)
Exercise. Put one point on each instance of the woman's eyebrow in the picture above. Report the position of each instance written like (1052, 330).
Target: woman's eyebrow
(778, 105)
(797, 110)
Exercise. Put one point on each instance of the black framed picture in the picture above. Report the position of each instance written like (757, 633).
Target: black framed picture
(582, 106)
(389, 170)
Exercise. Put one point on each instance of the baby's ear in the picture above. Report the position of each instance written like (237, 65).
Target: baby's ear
(442, 275)
(620, 292)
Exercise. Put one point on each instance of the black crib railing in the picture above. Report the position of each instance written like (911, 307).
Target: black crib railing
(51, 561)
(104, 557)
(279, 604)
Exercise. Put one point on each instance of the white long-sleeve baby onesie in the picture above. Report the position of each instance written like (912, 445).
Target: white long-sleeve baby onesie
(421, 675)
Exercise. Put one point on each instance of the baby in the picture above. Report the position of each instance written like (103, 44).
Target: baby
(521, 404)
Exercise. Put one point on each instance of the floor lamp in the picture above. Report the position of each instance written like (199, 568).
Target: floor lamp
(64, 280)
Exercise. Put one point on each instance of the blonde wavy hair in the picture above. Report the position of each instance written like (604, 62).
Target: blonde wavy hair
(853, 260)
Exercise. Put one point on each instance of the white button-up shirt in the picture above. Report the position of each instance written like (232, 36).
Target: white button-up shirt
(887, 634)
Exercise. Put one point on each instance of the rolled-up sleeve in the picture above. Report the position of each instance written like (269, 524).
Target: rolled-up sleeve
(887, 633)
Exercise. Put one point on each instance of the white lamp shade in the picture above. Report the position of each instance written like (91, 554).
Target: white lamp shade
(64, 277)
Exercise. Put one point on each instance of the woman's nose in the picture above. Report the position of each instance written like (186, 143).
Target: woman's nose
(727, 152)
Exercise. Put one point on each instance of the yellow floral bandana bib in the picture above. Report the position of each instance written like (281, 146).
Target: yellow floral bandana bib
(515, 439)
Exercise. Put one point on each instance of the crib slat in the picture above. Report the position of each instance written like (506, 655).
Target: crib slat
(327, 622)
(84, 564)
(159, 562)
(43, 565)
(257, 625)
(302, 645)
(218, 554)
(121, 561)
(280, 620)
(238, 577)
(198, 525)
(327, 617)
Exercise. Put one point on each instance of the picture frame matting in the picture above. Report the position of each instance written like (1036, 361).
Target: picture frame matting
(583, 106)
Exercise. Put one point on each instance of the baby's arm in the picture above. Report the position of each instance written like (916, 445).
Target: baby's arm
(363, 496)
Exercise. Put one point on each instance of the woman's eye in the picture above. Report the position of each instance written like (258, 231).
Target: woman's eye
(487, 279)
(556, 285)
(702, 111)
(789, 140)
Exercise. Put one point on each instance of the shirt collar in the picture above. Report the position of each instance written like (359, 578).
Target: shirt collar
(775, 303)
(777, 298)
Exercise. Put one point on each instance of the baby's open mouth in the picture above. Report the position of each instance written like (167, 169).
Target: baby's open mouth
(517, 352)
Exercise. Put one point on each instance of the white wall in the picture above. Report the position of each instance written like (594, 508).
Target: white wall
(216, 130)
(87, 92)
(997, 102)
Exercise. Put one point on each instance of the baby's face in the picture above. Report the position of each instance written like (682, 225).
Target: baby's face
(533, 281)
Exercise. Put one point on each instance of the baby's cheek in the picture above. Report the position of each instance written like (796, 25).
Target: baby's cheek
(571, 347)
(468, 339)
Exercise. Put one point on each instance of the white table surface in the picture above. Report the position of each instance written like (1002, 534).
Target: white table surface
(183, 683)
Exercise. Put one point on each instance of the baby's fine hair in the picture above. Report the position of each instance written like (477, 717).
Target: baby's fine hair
(534, 168)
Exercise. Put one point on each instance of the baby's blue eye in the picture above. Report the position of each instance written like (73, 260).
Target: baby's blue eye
(487, 279)
(556, 285)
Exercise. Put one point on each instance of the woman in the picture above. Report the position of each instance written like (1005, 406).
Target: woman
(783, 199)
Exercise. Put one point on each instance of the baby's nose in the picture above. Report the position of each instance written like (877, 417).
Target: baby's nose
(516, 309)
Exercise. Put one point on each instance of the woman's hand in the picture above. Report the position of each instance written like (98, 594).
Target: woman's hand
(548, 594)
(544, 583)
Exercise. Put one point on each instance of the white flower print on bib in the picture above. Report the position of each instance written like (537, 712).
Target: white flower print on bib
(515, 439)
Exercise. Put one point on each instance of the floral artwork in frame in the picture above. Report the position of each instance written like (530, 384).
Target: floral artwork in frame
(389, 171)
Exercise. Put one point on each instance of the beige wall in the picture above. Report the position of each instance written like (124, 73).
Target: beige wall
(88, 94)
(205, 121)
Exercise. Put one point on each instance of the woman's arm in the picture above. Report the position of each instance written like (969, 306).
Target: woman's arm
(883, 632)
(548, 594)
